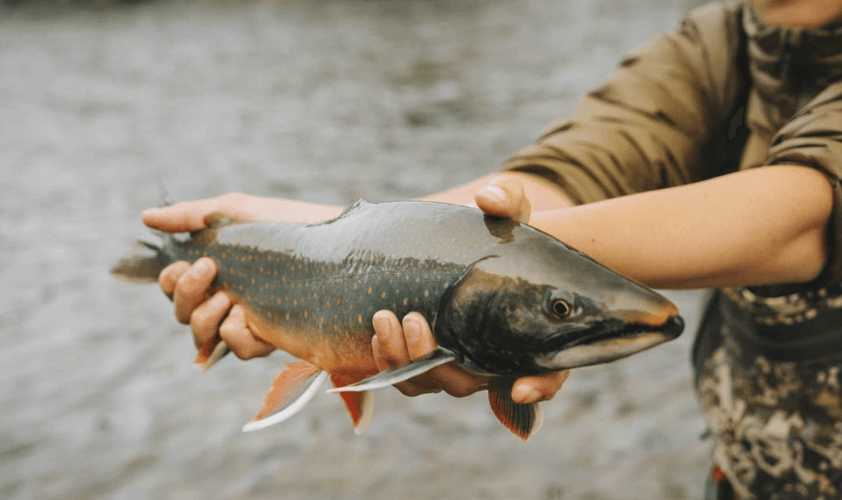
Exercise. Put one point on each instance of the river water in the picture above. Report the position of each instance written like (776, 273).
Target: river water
(321, 100)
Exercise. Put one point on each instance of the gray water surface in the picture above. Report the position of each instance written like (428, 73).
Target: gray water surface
(321, 100)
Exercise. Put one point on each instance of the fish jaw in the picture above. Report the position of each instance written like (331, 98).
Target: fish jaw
(603, 349)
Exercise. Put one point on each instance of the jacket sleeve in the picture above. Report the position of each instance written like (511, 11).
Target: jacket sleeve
(652, 124)
(813, 138)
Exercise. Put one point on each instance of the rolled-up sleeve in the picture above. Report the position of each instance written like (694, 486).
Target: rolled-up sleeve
(654, 124)
(813, 138)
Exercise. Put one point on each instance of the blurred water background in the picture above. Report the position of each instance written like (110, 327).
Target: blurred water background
(321, 100)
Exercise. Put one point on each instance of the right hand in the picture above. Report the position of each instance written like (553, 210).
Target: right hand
(211, 315)
(397, 342)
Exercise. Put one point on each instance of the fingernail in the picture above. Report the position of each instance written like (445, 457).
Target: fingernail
(496, 193)
(203, 265)
(381, 325)
(411, 330)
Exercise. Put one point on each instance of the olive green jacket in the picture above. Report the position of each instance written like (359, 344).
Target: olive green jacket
(721, 93)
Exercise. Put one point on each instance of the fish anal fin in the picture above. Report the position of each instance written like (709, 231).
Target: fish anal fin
(523, 420)
(360, 405)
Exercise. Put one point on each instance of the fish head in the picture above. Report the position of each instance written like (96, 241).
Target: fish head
(549, 308)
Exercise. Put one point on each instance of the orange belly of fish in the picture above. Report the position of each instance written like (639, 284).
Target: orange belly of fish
(349, 357)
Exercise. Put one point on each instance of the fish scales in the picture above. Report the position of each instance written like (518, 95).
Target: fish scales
(502, 298)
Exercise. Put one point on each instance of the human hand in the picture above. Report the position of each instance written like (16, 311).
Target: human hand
(213, 316)
(397, 343)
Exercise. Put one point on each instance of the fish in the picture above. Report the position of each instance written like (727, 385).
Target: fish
(503, 299)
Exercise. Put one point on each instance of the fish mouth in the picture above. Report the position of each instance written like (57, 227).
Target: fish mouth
(607, 341)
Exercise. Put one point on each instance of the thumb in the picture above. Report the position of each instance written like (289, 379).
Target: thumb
(504, 197)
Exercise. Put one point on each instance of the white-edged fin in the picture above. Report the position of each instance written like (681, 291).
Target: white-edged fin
(219, 351)
(291, 407)
(522, 420)
(367, 407)
(393, 376)
(360, 405)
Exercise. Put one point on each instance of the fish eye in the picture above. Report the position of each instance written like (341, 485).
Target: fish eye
(561, 308)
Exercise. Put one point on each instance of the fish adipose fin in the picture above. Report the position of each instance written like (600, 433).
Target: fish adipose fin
(522, 420)
(292, 389)
(393, 376)
(360, 405)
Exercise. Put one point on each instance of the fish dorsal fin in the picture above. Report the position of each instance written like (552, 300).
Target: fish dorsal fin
(522, 420)
(353, 207)
(393, 376)
(360, 405)
(292, 389)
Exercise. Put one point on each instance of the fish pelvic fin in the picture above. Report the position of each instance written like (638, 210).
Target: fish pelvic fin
(210, 352)
(395, 375)
(360, 405)
(522, 420)
(291, 390)
(139, 267)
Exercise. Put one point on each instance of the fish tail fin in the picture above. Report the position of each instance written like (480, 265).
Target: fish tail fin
(291, 390)
(139, 267)
(522, 420)
(360, 405)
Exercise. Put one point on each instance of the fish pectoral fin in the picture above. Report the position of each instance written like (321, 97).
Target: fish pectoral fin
(360, 405)
(292, 389)
(393, 376)
(210, 352)
(522, 420)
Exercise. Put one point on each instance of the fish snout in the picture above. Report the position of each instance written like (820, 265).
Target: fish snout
(661, 315)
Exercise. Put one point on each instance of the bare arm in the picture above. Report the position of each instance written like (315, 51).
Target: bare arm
(761, 226)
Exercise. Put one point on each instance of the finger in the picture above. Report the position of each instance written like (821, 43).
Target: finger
(170, 275)
(191, 288)
(388, 341)
(419, 338)
(538, 388)
(190, 215)
(180, 217)
(420, 342)
(240, 339)
(504, 197)
(207, 316)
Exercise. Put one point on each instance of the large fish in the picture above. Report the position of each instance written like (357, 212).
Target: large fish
(502, 298)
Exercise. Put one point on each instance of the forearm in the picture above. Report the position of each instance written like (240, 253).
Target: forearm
(541, 194)
(755, 227)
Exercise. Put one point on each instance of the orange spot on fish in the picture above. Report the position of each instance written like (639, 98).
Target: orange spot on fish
(370, 290)
(383, 295)
(359, 318)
